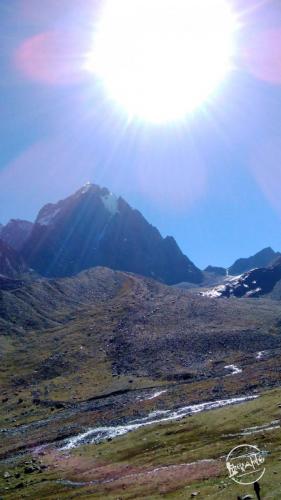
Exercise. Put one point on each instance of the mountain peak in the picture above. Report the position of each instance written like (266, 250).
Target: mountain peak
(94, 227)
(89, 187)
(263, 258)
(109, 199)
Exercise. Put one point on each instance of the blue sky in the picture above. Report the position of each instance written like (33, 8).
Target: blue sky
(212, 181)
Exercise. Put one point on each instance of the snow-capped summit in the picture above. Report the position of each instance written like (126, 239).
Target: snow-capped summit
(85, 188)
(94, 227)
(110, 202)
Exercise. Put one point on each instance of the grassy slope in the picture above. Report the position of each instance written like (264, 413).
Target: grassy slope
(131, 457)
(73, 339)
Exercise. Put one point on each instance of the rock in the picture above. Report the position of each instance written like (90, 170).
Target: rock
(7, 475)
(19, 485)
(29, 469)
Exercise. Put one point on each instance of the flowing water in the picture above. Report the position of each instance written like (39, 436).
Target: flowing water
(99, 434)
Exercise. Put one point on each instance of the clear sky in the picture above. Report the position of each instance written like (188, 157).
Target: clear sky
(212, 181)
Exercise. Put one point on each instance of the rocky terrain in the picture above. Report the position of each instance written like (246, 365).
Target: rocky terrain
(12, 265)
(126, 327)
(107, 351)
(15, 233)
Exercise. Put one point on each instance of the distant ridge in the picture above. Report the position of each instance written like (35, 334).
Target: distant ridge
(264, 258)
(255, 283)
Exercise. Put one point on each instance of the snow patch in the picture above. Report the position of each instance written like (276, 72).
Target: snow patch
(86, 188)
(260, 355)
(253, 292)
(110, 202)
(214, 293)
(234, 369)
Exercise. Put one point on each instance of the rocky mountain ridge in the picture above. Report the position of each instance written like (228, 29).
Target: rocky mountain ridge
(263, 258)
(92, 228)
(15, 233)
(254, 283)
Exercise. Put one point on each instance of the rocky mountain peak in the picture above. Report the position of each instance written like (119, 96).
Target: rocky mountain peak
(94, 227)
(262, 258)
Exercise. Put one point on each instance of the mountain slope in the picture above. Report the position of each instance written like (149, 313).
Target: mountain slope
(133, 322)
(12, 264)
(16, 232)
(254, 283)
(95, 228)
(103, 348)
(264, 258)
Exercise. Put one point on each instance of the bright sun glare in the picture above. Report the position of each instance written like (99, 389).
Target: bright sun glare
(161, 59)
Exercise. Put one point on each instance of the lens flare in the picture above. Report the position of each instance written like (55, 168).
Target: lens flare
(161, 59)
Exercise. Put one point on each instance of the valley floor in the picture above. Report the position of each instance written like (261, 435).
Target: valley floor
(168, 459)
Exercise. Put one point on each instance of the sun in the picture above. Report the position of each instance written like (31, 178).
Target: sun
(161, 59)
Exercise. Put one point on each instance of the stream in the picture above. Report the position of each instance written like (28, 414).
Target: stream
(97, 435)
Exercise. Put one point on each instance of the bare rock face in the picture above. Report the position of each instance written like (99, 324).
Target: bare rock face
(92, 228)
(15, 233)
(12, 264)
